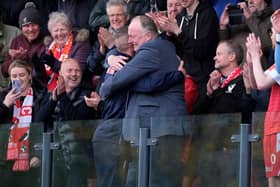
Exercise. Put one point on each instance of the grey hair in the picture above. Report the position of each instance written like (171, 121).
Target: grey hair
(59, 17)
(121, 3)
(147, 24)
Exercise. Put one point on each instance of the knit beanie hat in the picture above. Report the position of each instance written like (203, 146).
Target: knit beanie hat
(29, 15)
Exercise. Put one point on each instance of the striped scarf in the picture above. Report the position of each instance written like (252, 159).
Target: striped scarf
(18, 146)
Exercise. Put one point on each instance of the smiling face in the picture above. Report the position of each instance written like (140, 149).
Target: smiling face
(31, 31)
(60, 33)
(117, 16)
(137, 36)
(71, 73)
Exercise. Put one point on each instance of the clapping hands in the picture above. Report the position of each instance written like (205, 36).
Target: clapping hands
(93, 100)
(60, 88)
(253, 45)
(20, 53)
(105, 39)
(275, 20)
(214, 82)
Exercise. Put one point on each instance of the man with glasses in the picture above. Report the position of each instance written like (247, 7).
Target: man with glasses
(118, 19)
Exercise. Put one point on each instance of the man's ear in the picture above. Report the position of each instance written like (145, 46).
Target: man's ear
(232, 57)
(127, 18)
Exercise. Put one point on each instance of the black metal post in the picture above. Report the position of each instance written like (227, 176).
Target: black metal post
(47, 146)
(46, 160)
(143, 160)
(245, 156)
(245, 139)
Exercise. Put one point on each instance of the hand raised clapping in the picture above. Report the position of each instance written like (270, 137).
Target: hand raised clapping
(214, 82)
(93, 100)
(253, 45)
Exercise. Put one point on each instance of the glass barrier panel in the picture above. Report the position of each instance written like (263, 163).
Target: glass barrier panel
(91, 153)
(195, 150)
(190, 151)
(73, 162)
(31, 177)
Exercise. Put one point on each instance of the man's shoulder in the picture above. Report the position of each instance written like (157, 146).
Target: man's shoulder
(158, 42)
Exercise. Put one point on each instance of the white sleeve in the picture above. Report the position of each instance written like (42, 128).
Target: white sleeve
(272, 72)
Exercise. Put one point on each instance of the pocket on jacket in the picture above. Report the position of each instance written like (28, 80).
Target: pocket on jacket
(146, 112)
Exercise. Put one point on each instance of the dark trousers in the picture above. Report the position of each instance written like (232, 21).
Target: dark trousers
(107, 158)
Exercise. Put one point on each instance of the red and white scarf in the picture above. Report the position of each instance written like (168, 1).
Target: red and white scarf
(233, 75)
(61, 55)
(18, 146)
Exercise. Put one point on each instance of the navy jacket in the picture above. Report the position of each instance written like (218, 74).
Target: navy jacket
(156, 56)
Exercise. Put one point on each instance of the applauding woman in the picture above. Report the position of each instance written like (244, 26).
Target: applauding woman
(65, 44)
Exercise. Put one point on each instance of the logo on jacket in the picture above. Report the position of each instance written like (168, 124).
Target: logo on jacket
(230, 88)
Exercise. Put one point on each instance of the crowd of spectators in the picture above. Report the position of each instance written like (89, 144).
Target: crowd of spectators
(112, 59)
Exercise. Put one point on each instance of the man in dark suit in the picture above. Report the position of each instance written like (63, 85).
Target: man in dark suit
(153, 54)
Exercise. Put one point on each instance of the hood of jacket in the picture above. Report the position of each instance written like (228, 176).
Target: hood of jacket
(263, 14)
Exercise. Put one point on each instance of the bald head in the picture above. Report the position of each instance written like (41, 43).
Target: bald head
(69, 62)
(71, 72)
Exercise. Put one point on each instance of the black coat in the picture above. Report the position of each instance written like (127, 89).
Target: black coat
(70, 106)
(227, 99)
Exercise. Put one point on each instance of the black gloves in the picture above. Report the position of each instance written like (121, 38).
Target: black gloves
(48, 59)
(39, 67)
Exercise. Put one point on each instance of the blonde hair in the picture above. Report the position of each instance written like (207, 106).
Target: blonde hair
(20, 64)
